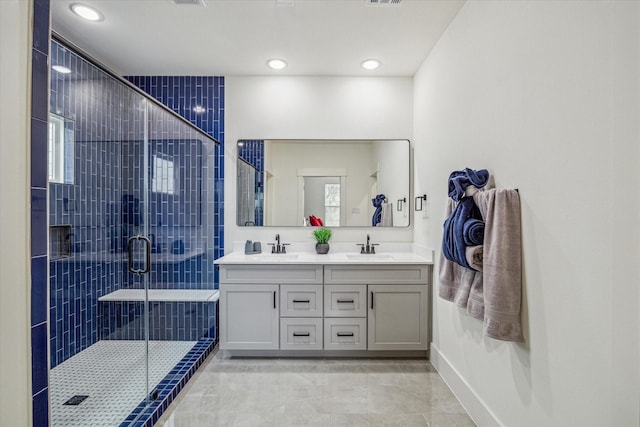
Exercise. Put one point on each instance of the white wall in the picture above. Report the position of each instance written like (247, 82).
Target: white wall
(312, 108)
(288, 157)
(545, 95)
(15, 279)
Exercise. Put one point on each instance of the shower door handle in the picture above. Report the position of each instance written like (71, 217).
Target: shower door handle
(147, 242)
(147, 245)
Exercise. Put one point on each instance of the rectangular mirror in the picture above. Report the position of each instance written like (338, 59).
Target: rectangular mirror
(337, 183)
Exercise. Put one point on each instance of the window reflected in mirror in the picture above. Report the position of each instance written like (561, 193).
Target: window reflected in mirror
(60, 156)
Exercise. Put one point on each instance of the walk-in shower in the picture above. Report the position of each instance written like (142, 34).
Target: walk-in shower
(131, 232)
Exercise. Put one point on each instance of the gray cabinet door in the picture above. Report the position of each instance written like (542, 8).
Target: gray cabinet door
(397, 317)
(249, 317)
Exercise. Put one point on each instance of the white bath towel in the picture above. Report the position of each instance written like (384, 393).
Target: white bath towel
(386, 219)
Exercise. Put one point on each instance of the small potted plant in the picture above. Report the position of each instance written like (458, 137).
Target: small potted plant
(322, 236)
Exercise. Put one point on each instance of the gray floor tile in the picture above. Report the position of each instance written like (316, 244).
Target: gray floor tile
(316, 392)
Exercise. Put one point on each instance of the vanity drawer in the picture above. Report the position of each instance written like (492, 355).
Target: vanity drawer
(301, 300)
(345, 334)
(300, 334)
(285, 273)
(345, 300)
(378, 274)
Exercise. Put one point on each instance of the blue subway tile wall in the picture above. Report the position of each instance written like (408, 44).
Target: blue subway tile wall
(110, 194)
(183, 94)
(168, 321)
(38, 184)
(41, 408)
(104, 115)
(252, 150)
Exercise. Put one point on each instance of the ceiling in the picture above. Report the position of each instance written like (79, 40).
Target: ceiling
(236, 37)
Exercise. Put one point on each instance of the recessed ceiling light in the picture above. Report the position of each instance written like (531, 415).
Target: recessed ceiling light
(276, 64)
(86, 12)
(61, 69)
(370, 64)
(198, 109)
(240, 144)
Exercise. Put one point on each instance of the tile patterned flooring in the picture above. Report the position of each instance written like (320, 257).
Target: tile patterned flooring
(112, 374)
(315, 392)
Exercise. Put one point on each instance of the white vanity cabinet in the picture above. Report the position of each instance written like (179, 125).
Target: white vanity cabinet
(254, 298)
(325, 307)
(397, 302)
(397, 317)
(251, 318)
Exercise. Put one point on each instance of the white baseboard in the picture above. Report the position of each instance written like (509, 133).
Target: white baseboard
(475, 407)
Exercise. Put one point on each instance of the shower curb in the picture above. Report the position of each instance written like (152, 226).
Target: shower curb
(146, 415)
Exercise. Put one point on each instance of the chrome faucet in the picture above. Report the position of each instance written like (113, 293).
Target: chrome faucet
(278, 248)
(369, 248)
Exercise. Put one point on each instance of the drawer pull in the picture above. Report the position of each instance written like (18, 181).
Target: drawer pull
(349, 301)
(302, 300)
(301, 334)
(345, 334)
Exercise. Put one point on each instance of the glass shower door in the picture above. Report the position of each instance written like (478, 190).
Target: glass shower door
(181, 226)
(98, 352)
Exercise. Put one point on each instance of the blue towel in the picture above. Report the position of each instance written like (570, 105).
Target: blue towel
(377, 203)
(473, 232)
(453, 245)
(460, 180)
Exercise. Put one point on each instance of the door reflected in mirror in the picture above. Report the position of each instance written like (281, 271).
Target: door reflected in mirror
(336, 183)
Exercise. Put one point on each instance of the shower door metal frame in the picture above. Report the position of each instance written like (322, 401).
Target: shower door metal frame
(143, 236)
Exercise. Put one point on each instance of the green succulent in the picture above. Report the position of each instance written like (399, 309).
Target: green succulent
(322, 235)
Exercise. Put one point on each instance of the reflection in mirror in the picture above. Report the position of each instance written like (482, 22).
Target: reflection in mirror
(323, 182)
(321, 195)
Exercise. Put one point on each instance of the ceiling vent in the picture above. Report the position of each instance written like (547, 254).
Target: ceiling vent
(383, 2)
(200, 3)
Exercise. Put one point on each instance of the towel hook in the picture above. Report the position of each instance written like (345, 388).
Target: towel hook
(420, 198)
(399, 203)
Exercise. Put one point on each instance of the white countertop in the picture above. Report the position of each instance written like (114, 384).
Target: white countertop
(303, 254)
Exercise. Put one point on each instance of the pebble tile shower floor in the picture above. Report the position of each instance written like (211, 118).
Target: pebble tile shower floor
(315, 392)
(112, 374)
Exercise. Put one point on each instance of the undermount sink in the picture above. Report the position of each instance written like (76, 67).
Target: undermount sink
(361, 257)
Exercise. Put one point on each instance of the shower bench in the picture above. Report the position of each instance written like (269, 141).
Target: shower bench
(174, 314)
(194, 295)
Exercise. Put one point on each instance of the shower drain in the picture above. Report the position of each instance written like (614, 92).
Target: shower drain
(76, 400)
